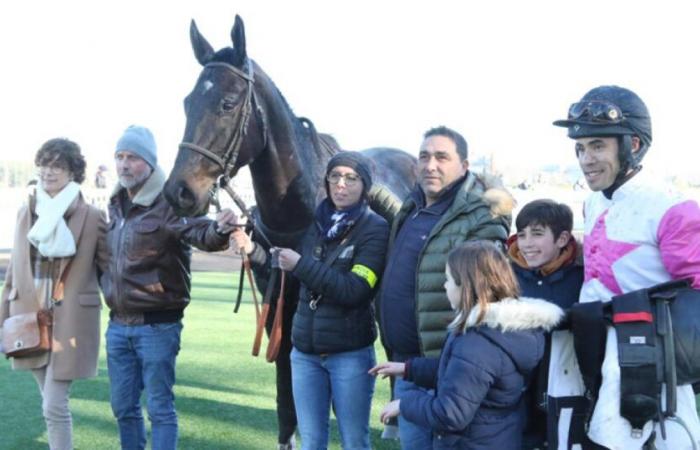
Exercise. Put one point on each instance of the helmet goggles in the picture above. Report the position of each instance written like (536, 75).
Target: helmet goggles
(595, 112)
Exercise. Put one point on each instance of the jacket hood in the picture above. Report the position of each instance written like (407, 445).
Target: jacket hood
(518, 314)
(149, 191)
(516, 325)
(499, 199)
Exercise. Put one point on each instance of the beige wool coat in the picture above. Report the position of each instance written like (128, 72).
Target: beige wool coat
(76, 329)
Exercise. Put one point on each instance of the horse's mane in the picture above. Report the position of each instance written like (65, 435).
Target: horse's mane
(229, 55)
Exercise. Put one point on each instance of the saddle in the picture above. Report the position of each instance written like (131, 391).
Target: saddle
(658, 336)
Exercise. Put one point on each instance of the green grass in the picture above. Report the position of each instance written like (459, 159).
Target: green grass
(225, 398)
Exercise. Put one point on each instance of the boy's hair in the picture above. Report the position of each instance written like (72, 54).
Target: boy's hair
(484, 276)
(548, 213)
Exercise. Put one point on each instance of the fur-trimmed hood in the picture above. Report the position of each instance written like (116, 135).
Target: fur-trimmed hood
(149, 191)
(518, 314)
(516, 326)
(499, 199)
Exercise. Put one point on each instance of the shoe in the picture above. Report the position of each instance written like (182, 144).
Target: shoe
(290, 445)
(391, 432)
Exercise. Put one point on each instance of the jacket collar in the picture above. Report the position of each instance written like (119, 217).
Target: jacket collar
(474, 189)
(567, 256)
(148, 192)
(445, 199)
(516, 314)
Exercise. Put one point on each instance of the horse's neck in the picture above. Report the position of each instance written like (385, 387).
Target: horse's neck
(285, 187)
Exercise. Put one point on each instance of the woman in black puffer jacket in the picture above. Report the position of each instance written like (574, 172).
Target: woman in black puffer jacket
(338, 264)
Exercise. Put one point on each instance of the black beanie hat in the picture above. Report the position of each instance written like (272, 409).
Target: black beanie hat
(357, 162)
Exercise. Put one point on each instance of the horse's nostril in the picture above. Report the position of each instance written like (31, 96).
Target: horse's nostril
(185, 196)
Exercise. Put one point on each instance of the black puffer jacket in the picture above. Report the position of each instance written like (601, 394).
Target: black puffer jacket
(344, 316)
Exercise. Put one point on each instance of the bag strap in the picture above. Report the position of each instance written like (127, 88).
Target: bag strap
(341, 246)
(337, 252)
(590, 335)
(58, 289)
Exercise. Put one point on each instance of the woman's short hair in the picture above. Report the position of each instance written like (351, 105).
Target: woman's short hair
(64, 153)
(484, 276)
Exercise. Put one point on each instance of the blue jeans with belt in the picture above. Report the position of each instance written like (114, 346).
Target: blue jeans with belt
(143, 357)
(340, 379)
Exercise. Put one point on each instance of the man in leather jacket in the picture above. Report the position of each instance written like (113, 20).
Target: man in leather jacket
(147, 288)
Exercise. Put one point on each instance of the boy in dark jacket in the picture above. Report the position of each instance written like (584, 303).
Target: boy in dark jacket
(544, 255)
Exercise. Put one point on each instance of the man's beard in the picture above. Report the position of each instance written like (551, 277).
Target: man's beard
(132, 181)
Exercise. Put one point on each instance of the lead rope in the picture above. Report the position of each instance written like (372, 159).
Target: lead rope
(273, 346)
(260, 315)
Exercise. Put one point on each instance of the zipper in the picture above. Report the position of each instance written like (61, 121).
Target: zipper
(441, 223)
(120, 263)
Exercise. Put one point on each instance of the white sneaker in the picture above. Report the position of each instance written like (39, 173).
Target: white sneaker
(391, 432)
(290, 445)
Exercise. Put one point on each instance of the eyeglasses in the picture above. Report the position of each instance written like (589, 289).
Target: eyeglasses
(595, 111)
(53, 170)
(351, 179)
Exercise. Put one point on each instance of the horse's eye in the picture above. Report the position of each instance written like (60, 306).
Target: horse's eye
(228, 104)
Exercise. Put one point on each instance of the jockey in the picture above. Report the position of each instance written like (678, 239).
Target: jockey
(637, 235)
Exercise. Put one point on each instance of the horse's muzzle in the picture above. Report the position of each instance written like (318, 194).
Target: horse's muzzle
(181, 198)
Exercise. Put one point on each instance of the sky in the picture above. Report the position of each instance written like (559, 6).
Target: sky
(371, 73)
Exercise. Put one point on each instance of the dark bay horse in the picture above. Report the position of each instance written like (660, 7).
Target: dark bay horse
(236, 117)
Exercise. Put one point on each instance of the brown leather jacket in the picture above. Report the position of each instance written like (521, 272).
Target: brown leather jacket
(149, 264)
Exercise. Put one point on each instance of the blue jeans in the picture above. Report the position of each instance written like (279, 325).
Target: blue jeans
(138, 357)
(340, 379)
(411, 436)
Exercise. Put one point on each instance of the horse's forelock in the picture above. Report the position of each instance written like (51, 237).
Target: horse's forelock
(228, 55)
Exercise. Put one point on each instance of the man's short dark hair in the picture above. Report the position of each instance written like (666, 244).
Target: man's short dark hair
(65, 153)
(458, 139)
(547, 213)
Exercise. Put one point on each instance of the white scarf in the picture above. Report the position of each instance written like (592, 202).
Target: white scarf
(50, 234)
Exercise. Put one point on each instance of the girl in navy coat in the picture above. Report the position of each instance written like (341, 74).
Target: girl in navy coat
(496, 340)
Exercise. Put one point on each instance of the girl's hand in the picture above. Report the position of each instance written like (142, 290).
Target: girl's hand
(388, 369)
(288, 259)
(389, 411)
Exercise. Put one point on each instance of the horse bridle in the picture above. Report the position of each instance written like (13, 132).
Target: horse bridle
(227, 163)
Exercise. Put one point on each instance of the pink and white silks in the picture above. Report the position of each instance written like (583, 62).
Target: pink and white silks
(643, 236)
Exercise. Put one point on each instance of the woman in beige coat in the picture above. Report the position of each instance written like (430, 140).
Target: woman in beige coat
(58, 237)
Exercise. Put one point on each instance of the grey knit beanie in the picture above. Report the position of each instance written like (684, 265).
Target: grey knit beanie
(139, 140)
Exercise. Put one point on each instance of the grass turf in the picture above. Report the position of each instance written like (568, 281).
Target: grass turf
(225, 398)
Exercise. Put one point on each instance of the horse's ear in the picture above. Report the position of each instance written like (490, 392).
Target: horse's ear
(238, 38)
(203, 51)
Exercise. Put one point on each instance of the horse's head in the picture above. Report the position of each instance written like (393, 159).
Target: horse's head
(225, 125)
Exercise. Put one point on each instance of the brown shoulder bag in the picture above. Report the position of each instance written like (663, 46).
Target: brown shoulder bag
(31, 334)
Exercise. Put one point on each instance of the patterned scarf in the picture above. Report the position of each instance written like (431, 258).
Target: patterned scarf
(334, 224)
